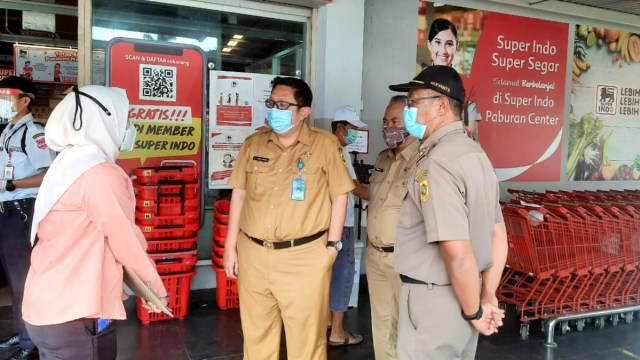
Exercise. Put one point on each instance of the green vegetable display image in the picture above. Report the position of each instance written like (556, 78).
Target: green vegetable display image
(583, 138)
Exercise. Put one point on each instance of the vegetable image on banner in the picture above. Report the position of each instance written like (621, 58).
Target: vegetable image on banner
(518, 77)
(605, 105)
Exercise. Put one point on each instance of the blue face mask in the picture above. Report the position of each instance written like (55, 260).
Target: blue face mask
(411, 123)
(351, 136)
(280, 120)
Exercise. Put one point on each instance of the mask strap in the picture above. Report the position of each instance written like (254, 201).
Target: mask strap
(79, 106)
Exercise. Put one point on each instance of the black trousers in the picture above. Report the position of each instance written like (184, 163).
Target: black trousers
(15, 254)
(75, 340)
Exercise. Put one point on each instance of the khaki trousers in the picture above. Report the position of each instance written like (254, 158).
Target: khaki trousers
(431, 327)
(384, 291)
(289, 286)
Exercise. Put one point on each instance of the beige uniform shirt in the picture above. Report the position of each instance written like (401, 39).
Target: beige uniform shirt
(387, 188)
(266, 171)
(452, 195)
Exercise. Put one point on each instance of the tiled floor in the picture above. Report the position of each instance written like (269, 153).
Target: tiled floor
(210, 333)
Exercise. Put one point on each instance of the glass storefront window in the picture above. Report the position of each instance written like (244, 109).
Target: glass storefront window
(232, 42)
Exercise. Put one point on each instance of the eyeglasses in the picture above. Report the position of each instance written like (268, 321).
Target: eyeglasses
(280, 105)
(409, 102)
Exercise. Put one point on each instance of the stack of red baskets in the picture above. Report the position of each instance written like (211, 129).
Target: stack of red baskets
(168, 213)
(227, 290)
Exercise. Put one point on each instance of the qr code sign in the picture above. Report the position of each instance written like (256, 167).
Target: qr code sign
(157, 82)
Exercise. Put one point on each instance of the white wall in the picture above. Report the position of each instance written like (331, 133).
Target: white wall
(390, 37)
(338, 58)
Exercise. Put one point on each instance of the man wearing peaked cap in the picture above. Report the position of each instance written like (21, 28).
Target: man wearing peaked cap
(456, 248)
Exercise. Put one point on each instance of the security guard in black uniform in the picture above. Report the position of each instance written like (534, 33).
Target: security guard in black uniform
(24, 159)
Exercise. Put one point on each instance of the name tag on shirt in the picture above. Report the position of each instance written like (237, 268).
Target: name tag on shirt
(261, 159)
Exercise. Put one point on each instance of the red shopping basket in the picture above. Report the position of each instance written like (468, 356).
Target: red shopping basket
(178, 290)
(175, 263)
(227, 291)
(153, 175)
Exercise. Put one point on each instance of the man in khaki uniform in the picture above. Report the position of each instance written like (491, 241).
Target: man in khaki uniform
(451, 246)
(288, 206)
(387, 188)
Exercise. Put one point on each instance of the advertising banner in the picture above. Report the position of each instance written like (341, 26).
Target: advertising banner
(605, 105)
(6, 71)
(514, 72)
(46, 64)
(165, 85)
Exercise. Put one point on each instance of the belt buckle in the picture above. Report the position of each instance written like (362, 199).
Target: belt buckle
(267, 244)
(2, 207)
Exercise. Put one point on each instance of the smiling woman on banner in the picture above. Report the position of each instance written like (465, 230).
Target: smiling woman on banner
(84, 231)
(443, 45)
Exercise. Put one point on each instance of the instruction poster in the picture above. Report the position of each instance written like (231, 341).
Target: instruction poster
(605, 106)
(224, 147)
(165, 86)
(46, 64)
(237, 99)
(236, 103)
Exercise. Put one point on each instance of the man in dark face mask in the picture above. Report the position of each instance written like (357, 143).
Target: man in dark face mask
(387, 188)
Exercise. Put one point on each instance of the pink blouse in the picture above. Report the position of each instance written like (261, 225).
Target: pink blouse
(86, 238)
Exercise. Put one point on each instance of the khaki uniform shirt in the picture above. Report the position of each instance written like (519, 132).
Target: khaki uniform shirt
(265, 171)
(452, 195)
(387, 188)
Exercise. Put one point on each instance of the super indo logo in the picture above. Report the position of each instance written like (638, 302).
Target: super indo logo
(606, 99)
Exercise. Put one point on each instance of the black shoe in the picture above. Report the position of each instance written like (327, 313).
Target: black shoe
(13, 340)
(24, 354)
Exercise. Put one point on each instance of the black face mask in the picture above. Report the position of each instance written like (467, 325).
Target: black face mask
(77, 119)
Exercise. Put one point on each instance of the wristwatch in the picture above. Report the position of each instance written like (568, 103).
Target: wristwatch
(10, 186)
(335, 244)
(476, 316)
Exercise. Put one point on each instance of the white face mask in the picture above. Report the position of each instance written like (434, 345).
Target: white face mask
(129, 139)
(6, 113)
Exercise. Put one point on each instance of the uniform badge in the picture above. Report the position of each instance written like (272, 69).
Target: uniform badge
(424, 190)
(344, 161)
(41, 144)
(420, 175)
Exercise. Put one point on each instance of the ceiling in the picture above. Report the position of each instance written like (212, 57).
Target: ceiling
(624, 6)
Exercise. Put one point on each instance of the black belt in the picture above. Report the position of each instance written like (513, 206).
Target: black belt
(20, 206)
(287, 243)
(386, 249)
(407, 280)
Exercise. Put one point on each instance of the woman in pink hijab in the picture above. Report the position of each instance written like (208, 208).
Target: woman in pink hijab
(83, 230)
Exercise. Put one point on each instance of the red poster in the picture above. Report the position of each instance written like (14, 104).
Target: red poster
(165, 85)
(518, 75)
(5, 71)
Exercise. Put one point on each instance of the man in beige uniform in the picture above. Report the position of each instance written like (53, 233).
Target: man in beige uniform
(288, 207)
(451, 243)
(387, 188)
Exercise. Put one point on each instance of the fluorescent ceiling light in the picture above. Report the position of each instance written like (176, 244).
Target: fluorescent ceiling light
(227, 49)
(238, 37)
(232, 43)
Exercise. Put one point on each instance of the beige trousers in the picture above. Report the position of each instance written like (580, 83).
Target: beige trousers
(431, 327)
(384, 291)
(287, 286)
